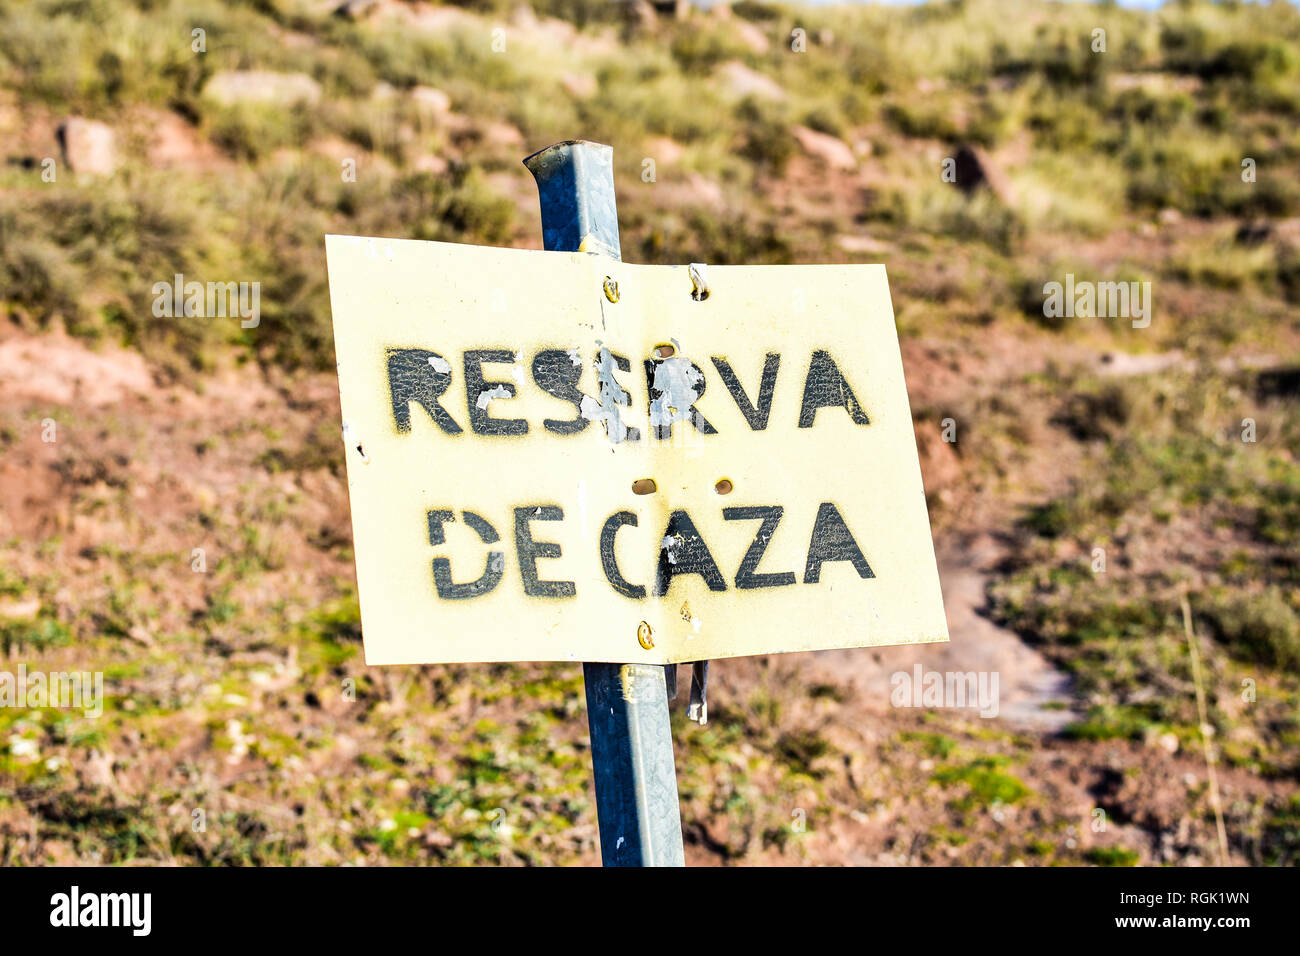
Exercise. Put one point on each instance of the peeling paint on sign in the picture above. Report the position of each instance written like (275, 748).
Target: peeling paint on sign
(676, 380)
(612, 398)
(497, 391)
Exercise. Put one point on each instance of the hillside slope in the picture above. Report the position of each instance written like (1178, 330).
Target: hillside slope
(759, 133)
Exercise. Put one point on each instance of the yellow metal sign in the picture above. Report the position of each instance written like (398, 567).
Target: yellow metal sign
(556, 456)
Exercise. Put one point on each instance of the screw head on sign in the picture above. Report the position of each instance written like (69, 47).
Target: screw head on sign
(644, 636)
(611, 289)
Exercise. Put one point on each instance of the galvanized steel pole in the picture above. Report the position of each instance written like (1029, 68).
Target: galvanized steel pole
(627, 704)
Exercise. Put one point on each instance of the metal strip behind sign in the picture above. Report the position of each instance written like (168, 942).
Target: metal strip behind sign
(501, 405)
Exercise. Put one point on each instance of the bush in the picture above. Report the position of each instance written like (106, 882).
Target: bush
(766, 139)
(1112, 856)
(1260, 628)
(1097, 413)
(250, 131)
(1288, 273)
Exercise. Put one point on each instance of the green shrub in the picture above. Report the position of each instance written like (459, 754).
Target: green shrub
(1112, 856)
(698, 50)
(766, 139)
(250, 131)
(1261, 628)
(33, 636)
(987, 783)
(1288, 273)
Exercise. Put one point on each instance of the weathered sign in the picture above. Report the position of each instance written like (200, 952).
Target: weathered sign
(556, 456)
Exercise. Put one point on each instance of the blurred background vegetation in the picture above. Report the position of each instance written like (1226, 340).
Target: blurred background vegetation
(1160, 121)
(750, 133)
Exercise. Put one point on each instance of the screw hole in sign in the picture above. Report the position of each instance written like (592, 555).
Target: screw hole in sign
(644, 486)
(723, 486)
(664, 351)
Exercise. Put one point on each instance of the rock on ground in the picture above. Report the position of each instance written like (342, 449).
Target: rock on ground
(430, 100)
(740, 81)
(229, 87)
(830, 150)
(88, 146)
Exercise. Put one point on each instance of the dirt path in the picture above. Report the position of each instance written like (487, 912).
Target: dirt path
(1031, 693)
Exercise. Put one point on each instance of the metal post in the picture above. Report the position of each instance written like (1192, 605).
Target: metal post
(627, 704)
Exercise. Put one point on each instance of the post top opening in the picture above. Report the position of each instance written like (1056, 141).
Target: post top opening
(542, 155)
